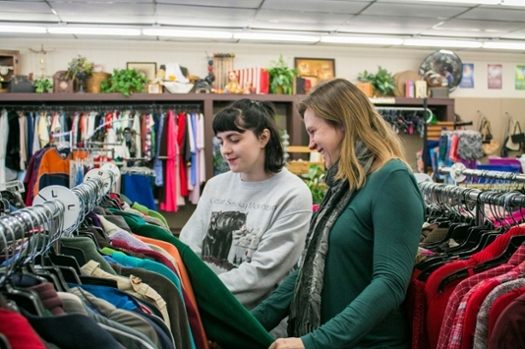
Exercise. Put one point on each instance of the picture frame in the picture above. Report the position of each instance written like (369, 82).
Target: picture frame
(154, 87)
(148, 69)
(315, 70)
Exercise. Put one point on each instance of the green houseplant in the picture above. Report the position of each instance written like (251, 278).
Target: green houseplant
(79, 68)
(315, 182)
(281, 77)
(42, 85)
(383, 81)
(125, 81)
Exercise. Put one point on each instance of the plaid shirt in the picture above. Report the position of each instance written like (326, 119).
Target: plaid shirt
(482, 323)
(461, 328)
(464, 286)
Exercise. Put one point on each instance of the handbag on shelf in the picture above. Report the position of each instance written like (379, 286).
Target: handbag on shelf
(488, 143)
(515, 138)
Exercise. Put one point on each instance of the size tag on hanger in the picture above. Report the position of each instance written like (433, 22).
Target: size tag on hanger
(105, 175)
(113, 169)
(66, 197)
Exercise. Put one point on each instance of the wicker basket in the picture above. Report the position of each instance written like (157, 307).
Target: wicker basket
(300, 167)
(94, 80)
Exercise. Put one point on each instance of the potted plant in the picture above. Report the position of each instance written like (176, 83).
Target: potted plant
(281, 77)
(315, 182)
(383, 82)
(78, 69)
(42, 85)
(125, 81)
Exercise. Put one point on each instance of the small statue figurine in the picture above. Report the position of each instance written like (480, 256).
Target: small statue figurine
(233, 85)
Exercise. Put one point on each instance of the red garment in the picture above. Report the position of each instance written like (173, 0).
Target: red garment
(416, 309)
(466, 285)
(170, 182)
(510, 327)
(49, 298)
(500, 304)
(476, 301)
(156, 256)
(437, 302)
(181, 121)
(18, 331)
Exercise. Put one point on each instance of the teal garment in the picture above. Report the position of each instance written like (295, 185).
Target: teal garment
(371, 253)
(128, 215)
(155, 267)
(147, 264)
(225, 320)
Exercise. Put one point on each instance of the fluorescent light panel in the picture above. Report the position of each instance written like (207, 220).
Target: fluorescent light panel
(207, 34)
(361, 40)
(475, 2)
(94, 31)
(275, 37)
(22, 29)
(498, 45)
(442, 43)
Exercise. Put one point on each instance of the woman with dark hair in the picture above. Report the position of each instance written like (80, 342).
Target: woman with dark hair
(360, 250)
(251, 222)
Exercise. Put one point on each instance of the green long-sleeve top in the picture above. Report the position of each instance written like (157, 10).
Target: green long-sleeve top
(370, 258)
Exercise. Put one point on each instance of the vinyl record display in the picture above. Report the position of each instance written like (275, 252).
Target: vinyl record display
(442, 68)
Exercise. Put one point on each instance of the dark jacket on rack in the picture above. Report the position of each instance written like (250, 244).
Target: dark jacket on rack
(12, 159)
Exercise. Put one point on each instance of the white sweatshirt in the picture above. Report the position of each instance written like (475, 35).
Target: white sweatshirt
(250, 233)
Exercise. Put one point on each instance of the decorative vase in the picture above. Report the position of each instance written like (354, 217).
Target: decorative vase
(80, 79)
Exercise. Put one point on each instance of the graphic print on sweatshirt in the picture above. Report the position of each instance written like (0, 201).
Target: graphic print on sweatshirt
(229, 241)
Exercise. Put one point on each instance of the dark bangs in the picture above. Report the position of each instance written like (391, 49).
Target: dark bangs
(227, 119)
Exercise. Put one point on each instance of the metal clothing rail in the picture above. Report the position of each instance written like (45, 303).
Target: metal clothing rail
(458, 172)
(53, 207)
(440, 192)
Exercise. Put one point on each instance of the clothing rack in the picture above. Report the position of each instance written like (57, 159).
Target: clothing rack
(458, 172)
(56, 206)
(448, 192)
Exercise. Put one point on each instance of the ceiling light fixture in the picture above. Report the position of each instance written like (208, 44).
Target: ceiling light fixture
(513, 2)
(336, 39)
(22, 29)
(207, 34)
(275, 37)
(94, 31)
(442, 43)
(475, 2)
(498, 45)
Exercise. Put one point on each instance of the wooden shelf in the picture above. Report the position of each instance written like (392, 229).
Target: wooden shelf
(136, 97)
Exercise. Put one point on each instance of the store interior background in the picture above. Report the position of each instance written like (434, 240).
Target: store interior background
(392, 18)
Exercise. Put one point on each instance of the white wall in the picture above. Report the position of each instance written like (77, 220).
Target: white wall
(349, 60)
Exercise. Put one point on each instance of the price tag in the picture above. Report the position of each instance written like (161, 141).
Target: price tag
(66, 197)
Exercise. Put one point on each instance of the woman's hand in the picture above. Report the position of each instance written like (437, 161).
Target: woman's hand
(287, 343)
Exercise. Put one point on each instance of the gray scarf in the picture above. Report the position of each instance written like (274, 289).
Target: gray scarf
(305, 308)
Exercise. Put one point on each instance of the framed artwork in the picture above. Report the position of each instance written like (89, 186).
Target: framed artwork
(145, 68)
(314, 70)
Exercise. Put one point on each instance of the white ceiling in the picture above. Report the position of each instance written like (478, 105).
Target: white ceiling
(398, 18)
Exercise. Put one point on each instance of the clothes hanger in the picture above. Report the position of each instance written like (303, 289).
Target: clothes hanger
(24, 298)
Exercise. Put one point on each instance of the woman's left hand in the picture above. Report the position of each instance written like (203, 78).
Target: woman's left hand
(287, 343)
